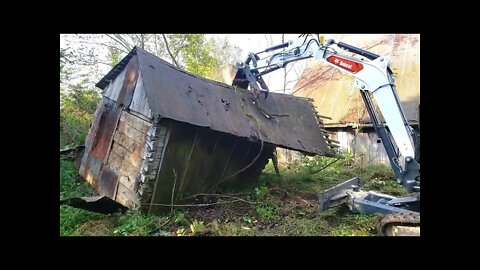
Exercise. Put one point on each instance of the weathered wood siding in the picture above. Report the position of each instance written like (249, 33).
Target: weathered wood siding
(102, 136)
(126, 156)
(98, 142)
(196, 159)
(363, 143)
(157, 138)
(140, 100)
(136, 158)
(113, 89)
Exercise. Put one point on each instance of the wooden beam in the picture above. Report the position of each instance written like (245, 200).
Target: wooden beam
(187, 161)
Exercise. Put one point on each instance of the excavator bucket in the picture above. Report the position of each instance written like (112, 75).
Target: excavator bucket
(337, 195)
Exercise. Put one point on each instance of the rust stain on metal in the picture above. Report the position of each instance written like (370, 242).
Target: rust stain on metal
(104, 135)
(93, 167)
(126, 92)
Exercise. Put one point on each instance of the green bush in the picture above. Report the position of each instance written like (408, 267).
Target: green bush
(77, 108)
(268, 212)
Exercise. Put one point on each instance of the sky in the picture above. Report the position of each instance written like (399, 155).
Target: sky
(248, 43)
(258, 42)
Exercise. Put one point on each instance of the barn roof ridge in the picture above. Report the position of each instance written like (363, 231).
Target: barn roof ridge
(170, 93)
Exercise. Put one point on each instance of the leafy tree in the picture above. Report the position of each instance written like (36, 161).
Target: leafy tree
(76, 114)
(198, 57)
(114, 55)
(85, 58)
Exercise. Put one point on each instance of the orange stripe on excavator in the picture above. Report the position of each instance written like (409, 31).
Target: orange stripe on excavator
(343, 63)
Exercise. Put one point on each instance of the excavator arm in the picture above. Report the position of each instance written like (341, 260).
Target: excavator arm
(373, 78)
(375, 81)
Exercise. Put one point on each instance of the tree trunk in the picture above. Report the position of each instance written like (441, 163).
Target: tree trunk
(169, 52)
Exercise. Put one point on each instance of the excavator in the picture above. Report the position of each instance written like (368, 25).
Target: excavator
(375, 81)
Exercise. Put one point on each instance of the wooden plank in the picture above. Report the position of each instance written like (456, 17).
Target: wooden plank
(132, 133)
(114, 159)
(140, 102)
(163, 130)
(131, 74)
(121, 151)
(239, 153)
(106, 128)
(127, 181)
(125, 196)
(216, 160)
(135, 122)
(187, 179)
(129, 144)
(124, 165)
(235, 143)
(108, 182)
(147, 185)
(141, 116)
(93, 169)
(130, 170)
(177, 151)
(114, 87)
(90, 139)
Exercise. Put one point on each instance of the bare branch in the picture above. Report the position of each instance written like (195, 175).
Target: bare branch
(173, 189)
(290, 81)
(196, 205)
(169, 52)
(102, 44)
(291, 66)
(126, 43)
(147, 37)
(142, 41)
(138, 37)
(119, 42)
(180, 46)
(182, 42)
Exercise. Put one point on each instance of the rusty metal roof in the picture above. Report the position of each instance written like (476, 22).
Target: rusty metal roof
(179, 95)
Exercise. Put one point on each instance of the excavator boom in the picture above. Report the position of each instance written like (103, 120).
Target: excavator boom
(375, 81)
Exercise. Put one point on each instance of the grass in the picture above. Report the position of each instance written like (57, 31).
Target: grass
(70, 186)
(273, 205)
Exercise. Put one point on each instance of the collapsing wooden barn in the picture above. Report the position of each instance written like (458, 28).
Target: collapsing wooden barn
(161, 134)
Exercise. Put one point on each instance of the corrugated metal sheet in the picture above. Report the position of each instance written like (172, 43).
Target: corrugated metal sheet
(114, 87)
(179, 95)
(333, 92)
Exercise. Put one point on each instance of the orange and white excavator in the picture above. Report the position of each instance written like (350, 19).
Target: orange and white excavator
(375, 81)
